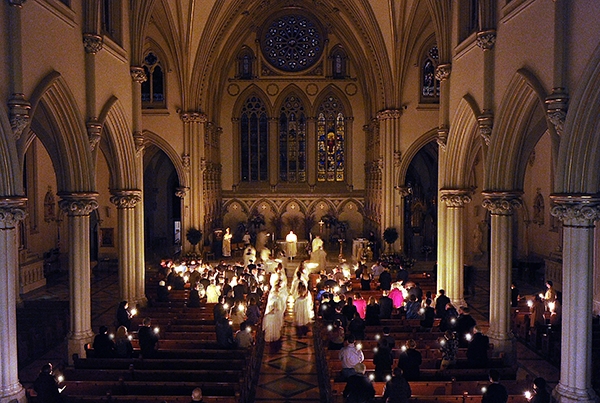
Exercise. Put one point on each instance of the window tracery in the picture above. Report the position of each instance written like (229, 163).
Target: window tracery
(331, 138)
(153, 89)
(430, 85)
(292, 141)
(254, 135)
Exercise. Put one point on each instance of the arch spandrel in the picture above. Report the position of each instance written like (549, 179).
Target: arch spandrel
(117, 145)
(11, 182)
(463, 139)
(410, 153)
(578, 158)
(59, 125)
(510, 145)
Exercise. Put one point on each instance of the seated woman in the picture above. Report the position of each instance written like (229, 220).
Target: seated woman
(336, 336)
(373, 310)
(123, 347)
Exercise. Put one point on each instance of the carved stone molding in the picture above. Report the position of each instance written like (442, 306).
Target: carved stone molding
(576, 210)
(138, 74)
(204, 164)
(502, 203)
(556, 108)
(12, 210)
(19, 114)
(92, 43)
(78, 204)
(486, 124)
(94, 128)
(125, 199)
(389, 114)
(442, 137)
(185, 161)
(456, 197)
(181, 192)
(189, 117)
(486, 39)
(138, 141)
(397, 158)
(404, 191)
(442, 72)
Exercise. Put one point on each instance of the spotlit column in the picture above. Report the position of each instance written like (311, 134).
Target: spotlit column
(78, 207)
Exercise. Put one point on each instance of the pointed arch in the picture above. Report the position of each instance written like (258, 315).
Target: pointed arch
(339, 94)
(292, 135)
(158, 141)
(301, 205)
(11, 183)
(462, 140)
(578, 159)
(57, 122)
(312, 208)
(410, 154)
(292, 89)
(251, 90)
(356, 202)
(117, 145)
(522, 109)
(245, 209)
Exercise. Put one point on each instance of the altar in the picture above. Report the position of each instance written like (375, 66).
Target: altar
(300, 245)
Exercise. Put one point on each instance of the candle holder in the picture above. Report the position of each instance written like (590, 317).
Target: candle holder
(341, 255)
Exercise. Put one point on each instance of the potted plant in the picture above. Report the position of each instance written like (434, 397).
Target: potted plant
(194, 236)
(390, 235)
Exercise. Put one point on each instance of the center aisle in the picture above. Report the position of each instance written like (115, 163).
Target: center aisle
(290, 375)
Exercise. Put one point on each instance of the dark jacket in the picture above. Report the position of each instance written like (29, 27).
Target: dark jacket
(359, 389)
(397, 391)
(46, 388)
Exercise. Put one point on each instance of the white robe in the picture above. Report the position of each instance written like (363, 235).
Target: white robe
(303, 310)
(273, 319)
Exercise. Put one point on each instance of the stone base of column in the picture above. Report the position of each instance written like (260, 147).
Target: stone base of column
(76, 345)
(14, 393)
(565, 394)
(142, 301)
(505, 347)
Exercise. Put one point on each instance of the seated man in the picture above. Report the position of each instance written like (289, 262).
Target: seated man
(350, 356)
(148, 339)
(359, 388)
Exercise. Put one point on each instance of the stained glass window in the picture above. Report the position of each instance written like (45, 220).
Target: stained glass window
(430, 86)
(245, 64)
(338, 67)
(331, 138)
(292, 141)
(292, 43)
(153, 94)
(254, 125)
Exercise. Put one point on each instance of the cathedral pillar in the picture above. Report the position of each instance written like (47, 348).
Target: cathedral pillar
(78, 207)
(126, 201)
(455, 200)
(194, 130)
(501, 206)
(389, 132)
(578, 214)
(12, 210)
(138, 76)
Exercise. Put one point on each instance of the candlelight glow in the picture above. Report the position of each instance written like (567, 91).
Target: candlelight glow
(403, 348)
(541, 295)
(453, 320)
(388, 378)
(111, 336)
(527, 395)
(359, 346)
(60, 378)
(551, 306)
(130, 337)
(371, 377)
(468, 336)
(156, 330)
(530, 303)
(225, 306)
(377, 337)
(483, 390)
(336, 289)
(329, 327)
(241, 307)
(230, 322)
(375, 349)
(133, 312)
(422, 311)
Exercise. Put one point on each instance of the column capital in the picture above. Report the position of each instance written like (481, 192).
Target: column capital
(138, 141)
(502, 203)
(456, 197)
(125, 198)
(16, 3)
(486, 124)
(442, 137)
(138, 74)
(389, 114)
(556, 108)
(92, 43)
(78, 204)
(404, 191)
(181, 192)
(19, 114)
(577, 210)
(94, 128)
(486, 39)
(12, 210)
(192, 116)
(442, 71)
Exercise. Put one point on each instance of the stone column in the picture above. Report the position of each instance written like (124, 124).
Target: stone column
(578, 214)
(501, 206)
(126, 200)
(455, 200)
(12, 210)
(138, 76)
(78, 207)
(389, 121)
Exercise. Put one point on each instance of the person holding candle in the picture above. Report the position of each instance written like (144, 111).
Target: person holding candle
(397, 390)
(495, 392)
(46, 386)
(540, 394)
(123, 315)
(148, 338)
(410, 360)
(123, 347)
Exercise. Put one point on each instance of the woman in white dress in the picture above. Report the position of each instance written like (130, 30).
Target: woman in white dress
(273, 319)
(227, 243)
(303, 310)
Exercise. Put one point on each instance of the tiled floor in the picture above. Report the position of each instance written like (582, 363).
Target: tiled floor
(289, 375)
